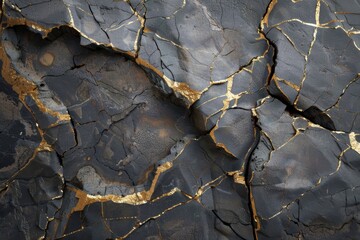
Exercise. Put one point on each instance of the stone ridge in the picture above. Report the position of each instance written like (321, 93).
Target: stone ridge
(151, 119)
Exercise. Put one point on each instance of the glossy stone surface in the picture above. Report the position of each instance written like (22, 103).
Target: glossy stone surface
(154, 119)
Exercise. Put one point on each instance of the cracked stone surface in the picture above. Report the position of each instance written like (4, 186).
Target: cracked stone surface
(152, 119)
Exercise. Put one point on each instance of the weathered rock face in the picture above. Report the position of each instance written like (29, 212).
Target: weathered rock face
(233, 119)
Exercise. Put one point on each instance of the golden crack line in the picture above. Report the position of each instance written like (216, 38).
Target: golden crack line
(210, 100)
(73, 232)
(23, 88)
(211, 115)
(274, 78)
(14, 7)
(170, 193)
(181, 88)
(339, 161)
(120, 218)
(291, 41)
(140, 30)
(172, 42)
(265, 19)
(152, 218)
(229, 97)
(315, 25)
(237, 176)
(353, 32)
(111, 29)
(212, 135)
(184, 89)
(211, 68)
(316, 184)
(290, 84)
(137, 198)
(178, 87)
(42, 147)
(105, 220)
(312, 188)
(317, 20)
(177, 10)
(261, 102)
(109, 45)
(355, 145)
(10, 22)
(348, 32)
(298, 198)
(349, 13)
(255, 217)
(229, 94)
(268, 138)
(214, 183)
(290, 139)
(343, 92)
(87, 13)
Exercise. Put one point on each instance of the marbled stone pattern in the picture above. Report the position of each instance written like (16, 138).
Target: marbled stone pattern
(180, 119)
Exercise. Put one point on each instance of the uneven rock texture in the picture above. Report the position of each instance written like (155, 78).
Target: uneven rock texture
(179, 119)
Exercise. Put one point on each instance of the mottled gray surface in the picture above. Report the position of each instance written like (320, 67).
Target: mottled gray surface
(180, 119)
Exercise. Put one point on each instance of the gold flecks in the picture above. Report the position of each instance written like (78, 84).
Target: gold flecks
(355, 145)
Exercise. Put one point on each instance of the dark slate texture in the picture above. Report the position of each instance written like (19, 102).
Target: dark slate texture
(153, 119)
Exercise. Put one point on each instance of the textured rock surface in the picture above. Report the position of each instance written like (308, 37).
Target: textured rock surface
(154, 119)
